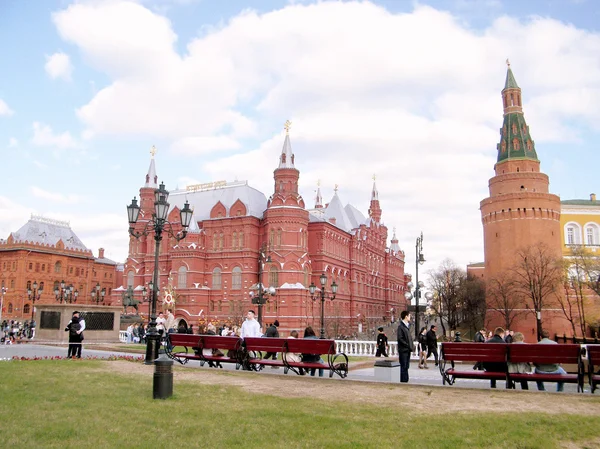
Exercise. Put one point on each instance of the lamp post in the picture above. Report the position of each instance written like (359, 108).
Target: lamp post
(97, 294)
(34, 295)
(65, 293)
(312, 288)
(419, 260)
(157, 224)
(262, 295)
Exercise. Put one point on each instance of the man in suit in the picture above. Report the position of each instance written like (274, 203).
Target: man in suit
(431, 338)
(405, 345)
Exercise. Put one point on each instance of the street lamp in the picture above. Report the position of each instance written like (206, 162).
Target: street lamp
(97, 294)
(34, 295)
(157, 224)
(312, 288)
(419, 260)
(65, 293)
(262, 296)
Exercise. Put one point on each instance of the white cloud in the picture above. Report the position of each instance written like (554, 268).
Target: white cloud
(13, 142)
(44, 136)
(59, 65)
(54, 196)
(413, 97)
(204, 144)
(4, 109)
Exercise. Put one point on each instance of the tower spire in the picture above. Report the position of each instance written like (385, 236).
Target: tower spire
(375, 209)
(151, 178)
(286, 160)
(515, 140)
(319, 198)
(374, 192)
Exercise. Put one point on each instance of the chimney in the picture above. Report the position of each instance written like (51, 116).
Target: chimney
(593, 197)
(101, 253)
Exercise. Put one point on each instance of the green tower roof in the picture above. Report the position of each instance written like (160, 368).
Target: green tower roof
(515, 140)
(510, 80)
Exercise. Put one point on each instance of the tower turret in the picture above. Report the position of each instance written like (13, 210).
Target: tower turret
(374, 208)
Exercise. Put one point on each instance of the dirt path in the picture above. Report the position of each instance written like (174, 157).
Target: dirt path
(422, 399)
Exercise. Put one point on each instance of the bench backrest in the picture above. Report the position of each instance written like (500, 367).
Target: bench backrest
(544, 353)
(188, 340)
(264, 344)
(218, 342)
(593, 352)
(474, 352)
(310, 346)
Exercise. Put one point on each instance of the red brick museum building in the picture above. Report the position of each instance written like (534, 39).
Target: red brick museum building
(214, 271)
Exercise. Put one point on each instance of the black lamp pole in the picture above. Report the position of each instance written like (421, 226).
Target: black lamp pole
(419, 260)
(159, 224)
(98, 294)
(312, 289)
(65, 293)
(262, 295)
(34, 295)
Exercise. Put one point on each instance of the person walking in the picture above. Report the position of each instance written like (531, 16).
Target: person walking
(432, 344)
(422, 348)
(405, 345)
(382, 343)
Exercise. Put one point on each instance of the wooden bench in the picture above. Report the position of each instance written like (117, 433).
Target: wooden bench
(547, 355)
(190, 342)
(231, 347)
(593, 355)
(257, 347)
(471, 353)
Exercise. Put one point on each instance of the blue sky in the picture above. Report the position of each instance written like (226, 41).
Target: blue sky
(407, 90)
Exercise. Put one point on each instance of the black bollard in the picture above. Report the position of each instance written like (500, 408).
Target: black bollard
(162, 387)
(457, 338)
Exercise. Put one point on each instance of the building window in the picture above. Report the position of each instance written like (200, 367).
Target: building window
(273, 277)
(212, 306)
(241, 240)
(12, 283)
(182, 277)
(57, 267)
(43, 267)
(215, 241)
(10, 307)
(28, 285)
(41, 287)
(572, 234)
(236, 279)
(279, 237)
(37, 267)
(30, 266)
(591, 234)
(130, 275)
(234, 241)
(26, 309)
(221, 241)
(216, 279)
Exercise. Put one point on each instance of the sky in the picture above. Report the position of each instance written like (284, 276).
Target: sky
(408, 91)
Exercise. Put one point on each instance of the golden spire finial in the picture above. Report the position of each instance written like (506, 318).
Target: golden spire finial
(336, 188)
(153, 151)
(508, 63)
(394, 230)
(287, 125)
(318, 183)
(374, 176)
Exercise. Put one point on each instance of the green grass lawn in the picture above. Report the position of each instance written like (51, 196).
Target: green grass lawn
(64, 403)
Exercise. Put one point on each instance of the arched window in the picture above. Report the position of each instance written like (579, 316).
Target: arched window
(572, 234)
(130, 275)
(57, 267)
(182, 277)
(591, 234)
(28, 285)
(10, 307)
(234, 241)
(279, 237)
(215, 241)
(236, 279)
(221, 240)
(241, 240)
(26, 309)
(273, 277)
(216, 279)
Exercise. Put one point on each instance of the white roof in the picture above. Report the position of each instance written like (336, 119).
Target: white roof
(46, 231)
(202, 201)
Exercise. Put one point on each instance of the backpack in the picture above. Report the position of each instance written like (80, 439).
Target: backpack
(73, 329)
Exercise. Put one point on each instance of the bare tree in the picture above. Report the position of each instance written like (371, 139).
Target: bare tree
(473, 303)
(504, 298)
(446, 283)
(537, 275)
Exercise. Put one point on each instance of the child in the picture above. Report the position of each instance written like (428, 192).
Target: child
(74, 338)
(382, 343)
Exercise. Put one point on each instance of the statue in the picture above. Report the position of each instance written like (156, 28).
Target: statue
(129, 301)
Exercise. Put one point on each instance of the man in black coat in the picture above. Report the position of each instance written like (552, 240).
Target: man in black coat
(405, 345)
(432, 347)
(272, 332)
(496, 366)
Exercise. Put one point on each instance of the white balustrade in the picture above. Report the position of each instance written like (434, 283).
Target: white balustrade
(123, 336)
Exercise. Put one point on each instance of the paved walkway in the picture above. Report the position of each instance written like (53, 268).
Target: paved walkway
(417, 376)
